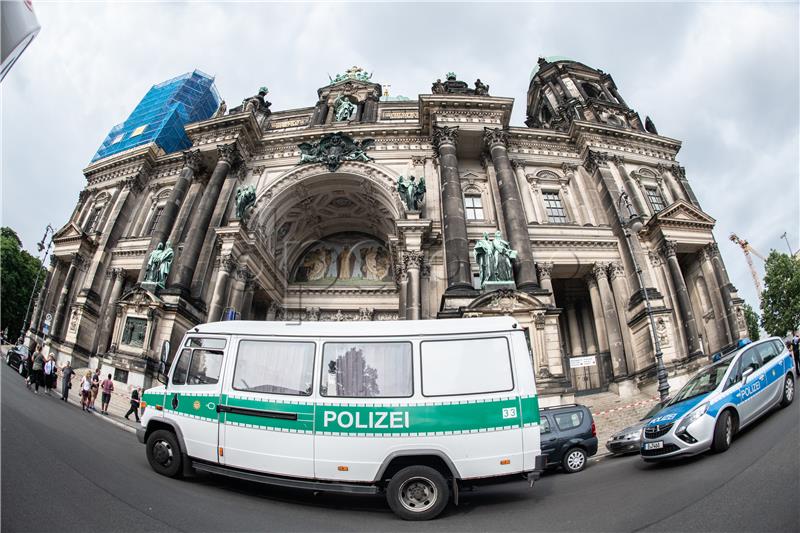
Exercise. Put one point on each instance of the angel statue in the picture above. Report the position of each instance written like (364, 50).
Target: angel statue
(411, 192)
(344, 109)
(484, 258)
(245, 197)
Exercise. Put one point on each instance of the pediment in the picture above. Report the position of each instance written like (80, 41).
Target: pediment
(70, 231)
(140, 298)
(505, 301)
(683, 213)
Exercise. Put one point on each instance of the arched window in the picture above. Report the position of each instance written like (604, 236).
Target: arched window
(94, 219)
(592, 91)
(159, 201)
(473, 206)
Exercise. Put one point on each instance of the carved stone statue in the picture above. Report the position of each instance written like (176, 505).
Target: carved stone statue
(245, 197)
(411, 191)
(333, 149)
(343, 109)
(438, 87)
(258, 102)
(223, 107)
(481, 89)
(484, 252)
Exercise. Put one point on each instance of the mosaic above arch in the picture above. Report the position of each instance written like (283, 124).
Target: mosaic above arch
(347, 258)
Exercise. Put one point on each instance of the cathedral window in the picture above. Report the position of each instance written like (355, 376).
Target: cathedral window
(92, 220)
(556, 214)
(154, 220)
(473, 206)
(655, 198)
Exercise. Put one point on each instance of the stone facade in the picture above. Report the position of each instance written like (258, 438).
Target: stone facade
(329, 238)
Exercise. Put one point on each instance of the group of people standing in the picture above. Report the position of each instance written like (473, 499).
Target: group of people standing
(44, 373)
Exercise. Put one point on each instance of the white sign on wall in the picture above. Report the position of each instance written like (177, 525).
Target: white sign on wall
(580, 362)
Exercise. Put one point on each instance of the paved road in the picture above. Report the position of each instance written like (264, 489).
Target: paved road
(92, 476)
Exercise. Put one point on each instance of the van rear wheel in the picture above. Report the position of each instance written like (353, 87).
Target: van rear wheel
(417, 493)
(164, 453)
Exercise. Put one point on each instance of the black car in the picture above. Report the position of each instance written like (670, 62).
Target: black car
(568, 436)
(17, 357)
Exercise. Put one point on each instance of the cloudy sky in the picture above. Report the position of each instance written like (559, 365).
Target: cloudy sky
(723, 78)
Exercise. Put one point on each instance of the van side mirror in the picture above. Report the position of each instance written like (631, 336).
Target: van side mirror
(747, 371)
(161, 375)
(164, 351)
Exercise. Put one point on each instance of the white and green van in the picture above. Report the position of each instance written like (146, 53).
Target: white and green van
(415, 409)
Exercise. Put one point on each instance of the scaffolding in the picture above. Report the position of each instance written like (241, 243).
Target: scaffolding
(162, 113)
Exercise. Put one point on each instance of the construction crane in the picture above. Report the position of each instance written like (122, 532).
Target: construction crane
(748, 250)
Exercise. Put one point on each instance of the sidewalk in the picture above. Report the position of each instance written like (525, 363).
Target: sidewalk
(120, 402)
(611, 413)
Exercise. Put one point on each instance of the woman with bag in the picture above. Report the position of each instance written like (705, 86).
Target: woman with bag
(86, 391)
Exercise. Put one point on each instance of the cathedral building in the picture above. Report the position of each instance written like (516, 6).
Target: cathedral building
(367, 207)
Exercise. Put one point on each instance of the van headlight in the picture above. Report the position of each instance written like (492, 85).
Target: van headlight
(693, 416)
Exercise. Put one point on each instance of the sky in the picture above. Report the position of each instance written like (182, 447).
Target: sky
(722, 78)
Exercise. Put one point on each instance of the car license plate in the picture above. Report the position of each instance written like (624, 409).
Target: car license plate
(653, 445)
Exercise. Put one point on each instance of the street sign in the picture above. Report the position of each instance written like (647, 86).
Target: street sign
(48, 319)
(580, 362)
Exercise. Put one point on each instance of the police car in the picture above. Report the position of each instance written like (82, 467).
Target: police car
(721, 399)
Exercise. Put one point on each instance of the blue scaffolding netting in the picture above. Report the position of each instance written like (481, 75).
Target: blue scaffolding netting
(162, 114)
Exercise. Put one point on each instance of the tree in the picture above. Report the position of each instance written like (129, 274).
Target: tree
(780, 301)
(751, 317)
(18, 271)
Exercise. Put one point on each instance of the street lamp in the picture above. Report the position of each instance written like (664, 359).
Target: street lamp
(633, 223)
(40, 246)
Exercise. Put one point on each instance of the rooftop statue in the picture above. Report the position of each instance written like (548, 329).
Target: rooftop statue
(333, 149)
(245, 197)
(343, 109)
(258, 102)
(353, 73)
(412, 192)
(481, 89)
(223, 107)
(452, 85)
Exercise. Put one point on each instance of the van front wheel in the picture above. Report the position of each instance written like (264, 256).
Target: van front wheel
(417, 493)
(164, 453)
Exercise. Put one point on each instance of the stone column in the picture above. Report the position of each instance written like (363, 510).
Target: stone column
(524, 190)
(725, 288)
(61, 308)
(247, 301)
(682, 294)
(545, 272)
(611, 318)
(573, 178)
(597, 313)
(118, 275)
(516, 225)
(228, 156)
(412, 261)
(574, 331)
(191, 164)
(619, 289)
(588, 335)
(715, 293)
(633, 187)
(402, 284)
(456, 244)
(226, 266)
(243, 276)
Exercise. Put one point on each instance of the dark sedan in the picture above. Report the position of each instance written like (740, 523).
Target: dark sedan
(629, 439)
(17, 357)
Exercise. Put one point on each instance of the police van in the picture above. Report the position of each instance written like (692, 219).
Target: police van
(413, 409)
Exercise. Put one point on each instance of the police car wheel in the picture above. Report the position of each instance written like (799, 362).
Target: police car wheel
(574, 460)
(164, 453)
(417, 493)
(723, 432)
(788, 391)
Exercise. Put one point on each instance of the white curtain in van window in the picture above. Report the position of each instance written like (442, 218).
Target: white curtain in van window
(469, 366)
(367, 370)
(274, 367)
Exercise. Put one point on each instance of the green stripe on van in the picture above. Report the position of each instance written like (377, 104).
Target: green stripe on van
(370, 420)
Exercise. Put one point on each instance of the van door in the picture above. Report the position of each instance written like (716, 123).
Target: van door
(268, 406)
(193, 393)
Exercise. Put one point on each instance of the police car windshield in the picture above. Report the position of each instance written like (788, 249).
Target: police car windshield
(704, 382)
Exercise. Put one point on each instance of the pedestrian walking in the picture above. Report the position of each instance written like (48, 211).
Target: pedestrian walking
(38, 368)
(108, 387)
(134, 404)
(29, 370)
(95, 388)
(49, 372)
(66, 380)
(796, 348)
(86, 392)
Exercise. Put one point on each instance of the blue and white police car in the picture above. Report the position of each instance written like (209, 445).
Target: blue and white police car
(720, 399)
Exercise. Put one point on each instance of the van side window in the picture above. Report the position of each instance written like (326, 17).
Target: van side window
(181, 368)
(206, 342)
(274, 367)
(367, 370)
(566, 421)
(205, 367)
(466, 366)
